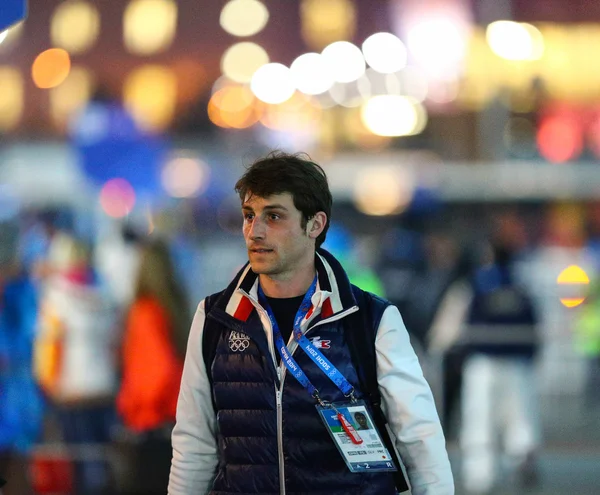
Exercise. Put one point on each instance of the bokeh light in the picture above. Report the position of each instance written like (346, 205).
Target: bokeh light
(244, 17)
(515, 40)
(351, 95)
(326, 21)
(273, 83)
(75, 26)
(382, 190)
(298, 113)
(71, 96)
(345, 60)
(393, 115)
(384, 52)
(11, 97)
(184, 177)
(117, 198)
(3, 35)
(311, 75)
(51, 68)
(575, 281)
(149, 26)
(234, 106)
(150, 94)
(559, 138)
(242, 60)
(438, 45)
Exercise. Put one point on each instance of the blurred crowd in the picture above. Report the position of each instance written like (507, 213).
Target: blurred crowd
(93, 335)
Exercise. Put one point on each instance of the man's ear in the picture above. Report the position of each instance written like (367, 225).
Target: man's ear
(316, 224)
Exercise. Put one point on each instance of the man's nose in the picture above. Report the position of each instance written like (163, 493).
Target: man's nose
(257, 229)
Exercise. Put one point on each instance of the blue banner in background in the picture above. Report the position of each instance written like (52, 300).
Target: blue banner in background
(11, 12)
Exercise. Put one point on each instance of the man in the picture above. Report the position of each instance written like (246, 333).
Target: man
(243, 424)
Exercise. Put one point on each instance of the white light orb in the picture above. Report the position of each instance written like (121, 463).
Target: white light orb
(345, 60)
(384, 52)
(311, 75)
(515, 40)
(272, 83)
(393, 115)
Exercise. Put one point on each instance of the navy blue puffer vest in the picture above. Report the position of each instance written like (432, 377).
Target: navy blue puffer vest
(302, 459)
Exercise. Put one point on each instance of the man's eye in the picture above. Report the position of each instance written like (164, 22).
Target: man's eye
(274, 216)
(248, 216)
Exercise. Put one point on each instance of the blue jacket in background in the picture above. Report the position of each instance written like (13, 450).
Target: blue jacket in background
(501, 317)
(21, 403)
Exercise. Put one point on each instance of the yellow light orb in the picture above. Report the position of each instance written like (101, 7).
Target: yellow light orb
(574, 280)
(244, 17)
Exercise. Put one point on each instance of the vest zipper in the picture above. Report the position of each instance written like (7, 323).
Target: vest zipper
(278, 396)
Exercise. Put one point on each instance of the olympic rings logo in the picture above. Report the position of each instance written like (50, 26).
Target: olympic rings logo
(238, 342)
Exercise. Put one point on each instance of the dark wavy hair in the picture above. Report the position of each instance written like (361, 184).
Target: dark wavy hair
(279, 173)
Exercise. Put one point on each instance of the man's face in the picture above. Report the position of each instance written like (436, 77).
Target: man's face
(277, 244)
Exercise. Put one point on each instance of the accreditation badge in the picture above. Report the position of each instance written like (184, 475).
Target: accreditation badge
(354, 434)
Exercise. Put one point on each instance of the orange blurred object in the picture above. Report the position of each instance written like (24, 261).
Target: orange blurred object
(51, 68)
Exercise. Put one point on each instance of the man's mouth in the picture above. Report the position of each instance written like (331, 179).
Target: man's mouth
(260, 250)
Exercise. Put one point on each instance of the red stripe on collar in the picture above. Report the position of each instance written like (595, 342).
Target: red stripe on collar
(327, 310)
(244, 309)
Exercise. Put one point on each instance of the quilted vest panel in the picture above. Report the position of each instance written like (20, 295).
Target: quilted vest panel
(244, 391)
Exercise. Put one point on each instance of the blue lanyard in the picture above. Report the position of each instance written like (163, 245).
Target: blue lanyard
(321, 361)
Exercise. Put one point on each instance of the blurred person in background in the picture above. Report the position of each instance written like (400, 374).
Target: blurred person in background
(76, 360)
(587, 342)
(157, 327)
(444, 348)
(21, 404)
(499, 393)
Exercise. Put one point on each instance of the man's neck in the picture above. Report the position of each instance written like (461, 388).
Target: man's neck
(292, 286)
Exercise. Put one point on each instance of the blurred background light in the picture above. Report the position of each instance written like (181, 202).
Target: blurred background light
(393, 115)
(149, 26)
(414, 83)
(345, 60)
(382, 190)
(11, 97)
(515, 40)
(242, 60)
(384, 52)
(71, 96)
(51, 68)
(75, 26)
(297, 113)
(326, 21)
(438, 45)
(184, 177)
(117, 198)
(234, 106)
(273, 83)
(150, 94)
(575, 281)
(353, 94)
(3, 35)
(559, 138)
(244, 17)
(311, 75)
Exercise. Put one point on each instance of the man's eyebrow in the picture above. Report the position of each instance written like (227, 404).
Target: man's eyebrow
(275, 206)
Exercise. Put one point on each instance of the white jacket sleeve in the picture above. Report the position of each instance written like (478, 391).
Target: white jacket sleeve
(408, 405)
(194, 435)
